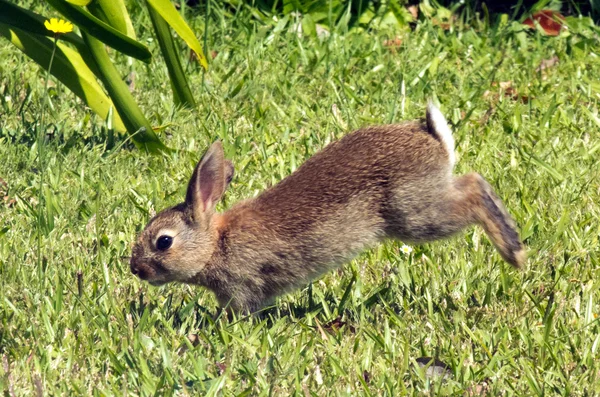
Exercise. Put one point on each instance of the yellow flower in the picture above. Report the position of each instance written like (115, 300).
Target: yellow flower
(58, 26)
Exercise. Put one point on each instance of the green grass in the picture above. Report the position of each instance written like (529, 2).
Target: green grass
(275, 99)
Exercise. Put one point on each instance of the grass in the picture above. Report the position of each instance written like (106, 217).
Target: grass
(79, 323)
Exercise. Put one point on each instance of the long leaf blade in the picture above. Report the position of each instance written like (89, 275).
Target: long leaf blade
(167, 10)
(181, 90)
(132, 116)
(69, 68)
(116, 15)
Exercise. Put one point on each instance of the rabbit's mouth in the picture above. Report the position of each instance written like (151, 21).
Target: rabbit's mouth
(149, 275)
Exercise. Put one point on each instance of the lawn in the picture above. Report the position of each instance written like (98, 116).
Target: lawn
(75, 321)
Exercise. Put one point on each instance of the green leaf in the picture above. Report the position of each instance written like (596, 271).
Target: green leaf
(115, 14)
(182, 94)
(132, 116)
(81, 3)
(166, 10)
(69, 68)
(402, 15)
(102, 31)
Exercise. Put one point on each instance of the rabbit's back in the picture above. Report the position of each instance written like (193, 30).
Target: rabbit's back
(362, 167)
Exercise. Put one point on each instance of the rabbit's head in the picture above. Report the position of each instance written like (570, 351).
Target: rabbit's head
(179, 241)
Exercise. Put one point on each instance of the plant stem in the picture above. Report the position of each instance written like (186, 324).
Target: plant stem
(40, 144)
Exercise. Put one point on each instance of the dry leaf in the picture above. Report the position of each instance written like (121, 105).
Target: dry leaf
(221, 368)
(550, 21)
(445, 24)
(321, 331)
(393, 44)
(481, 389)
(509, 91)
(547, 63)
(9, 202)
(336, 324)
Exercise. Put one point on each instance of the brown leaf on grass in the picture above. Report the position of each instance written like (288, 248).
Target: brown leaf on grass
(321, 330)
(221, 368)
(480, 389)
(513, 94)
(445, 23)
(509, 91)
(547, 63)
(442, 24)
(336, 324)
(550, 21)
(393, 44)
(9, 202)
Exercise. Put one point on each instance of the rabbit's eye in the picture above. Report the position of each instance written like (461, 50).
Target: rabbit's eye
(164, 243)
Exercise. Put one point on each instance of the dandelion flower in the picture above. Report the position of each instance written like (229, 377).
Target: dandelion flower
(406, 249)
(58, 26)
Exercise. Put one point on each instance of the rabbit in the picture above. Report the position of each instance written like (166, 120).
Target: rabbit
(377, 183)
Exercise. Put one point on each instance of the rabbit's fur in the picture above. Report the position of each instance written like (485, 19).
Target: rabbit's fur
(386, 182)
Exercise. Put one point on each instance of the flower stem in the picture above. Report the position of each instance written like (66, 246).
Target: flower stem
(40, 144)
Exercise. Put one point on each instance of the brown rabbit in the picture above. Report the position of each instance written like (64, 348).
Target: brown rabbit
(386, 182)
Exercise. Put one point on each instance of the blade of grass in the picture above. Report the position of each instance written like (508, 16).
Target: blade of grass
(130, 113)
(181, 90)
(167, 10)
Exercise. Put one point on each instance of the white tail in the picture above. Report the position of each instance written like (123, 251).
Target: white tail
(437, 125)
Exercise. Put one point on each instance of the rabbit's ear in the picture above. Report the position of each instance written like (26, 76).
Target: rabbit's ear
(208, 183)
